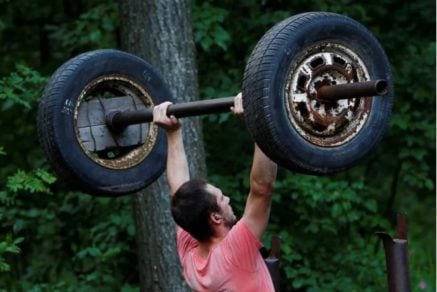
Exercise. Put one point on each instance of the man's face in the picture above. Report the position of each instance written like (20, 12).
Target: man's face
(225, 208)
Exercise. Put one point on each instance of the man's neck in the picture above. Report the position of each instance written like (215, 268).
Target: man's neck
(205, 247)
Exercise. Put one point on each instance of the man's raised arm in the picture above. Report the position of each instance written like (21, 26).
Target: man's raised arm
(177, 165)
(262, 180)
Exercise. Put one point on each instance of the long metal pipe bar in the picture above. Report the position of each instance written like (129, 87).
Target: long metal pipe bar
(118, 120)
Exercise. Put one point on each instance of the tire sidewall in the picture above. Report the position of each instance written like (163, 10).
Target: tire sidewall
(301, 153)
(88, 174)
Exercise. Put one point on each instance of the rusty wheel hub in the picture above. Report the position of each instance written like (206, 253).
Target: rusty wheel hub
(326, 123)
(113, 150)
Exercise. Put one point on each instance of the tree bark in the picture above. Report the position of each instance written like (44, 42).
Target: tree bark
(160, 31)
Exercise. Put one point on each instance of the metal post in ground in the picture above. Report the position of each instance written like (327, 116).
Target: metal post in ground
(396, 255)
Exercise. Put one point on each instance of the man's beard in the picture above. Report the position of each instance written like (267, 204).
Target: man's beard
(230, 223)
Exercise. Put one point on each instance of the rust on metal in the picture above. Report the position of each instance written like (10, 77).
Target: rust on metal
(396, 255)
(113, 150)
(329, 67)
(401, 227)
(350, 90)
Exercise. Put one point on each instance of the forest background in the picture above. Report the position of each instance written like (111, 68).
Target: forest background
(52, 238)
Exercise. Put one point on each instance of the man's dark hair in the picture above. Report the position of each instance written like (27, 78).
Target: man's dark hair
(191, 206)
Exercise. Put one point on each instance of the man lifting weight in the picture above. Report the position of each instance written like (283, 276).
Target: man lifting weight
(217, 251)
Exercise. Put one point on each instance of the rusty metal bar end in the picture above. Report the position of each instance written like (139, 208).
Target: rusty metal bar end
(401, 227)
(381, 87)
(330, 93)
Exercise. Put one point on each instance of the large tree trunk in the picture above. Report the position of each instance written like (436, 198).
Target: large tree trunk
(160, 31)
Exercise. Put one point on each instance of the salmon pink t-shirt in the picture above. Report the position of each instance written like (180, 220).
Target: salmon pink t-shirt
(235, 264)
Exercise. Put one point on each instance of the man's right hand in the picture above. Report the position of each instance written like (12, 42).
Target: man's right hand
(237, 109)
(160, 118)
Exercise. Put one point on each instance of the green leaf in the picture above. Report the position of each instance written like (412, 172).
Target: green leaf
(4, 267)
(208, 26)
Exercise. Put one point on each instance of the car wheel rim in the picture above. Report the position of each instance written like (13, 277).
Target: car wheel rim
(333, 123)
(108, 149)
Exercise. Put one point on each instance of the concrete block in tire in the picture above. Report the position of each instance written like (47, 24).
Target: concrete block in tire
(92, 75)
(291, 60)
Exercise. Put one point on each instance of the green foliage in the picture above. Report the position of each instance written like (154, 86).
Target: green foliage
(8, 245)
(68, 241)
(415, 119)
(55, 240)
(34, 182)
(85, 240)
(328, 229)
(330, 234)
(208, 29)
(19, 96)
(94, 28)
(23, 87)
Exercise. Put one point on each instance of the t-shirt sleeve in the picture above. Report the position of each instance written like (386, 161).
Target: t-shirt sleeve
(185, 242)
(241, 247)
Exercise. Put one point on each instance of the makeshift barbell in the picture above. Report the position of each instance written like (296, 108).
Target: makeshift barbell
(317, 94)
(117, 121)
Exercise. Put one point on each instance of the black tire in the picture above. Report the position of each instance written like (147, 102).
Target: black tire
(57, 130)
(296, 142)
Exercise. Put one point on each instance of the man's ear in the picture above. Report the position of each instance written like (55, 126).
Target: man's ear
(215, 218)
